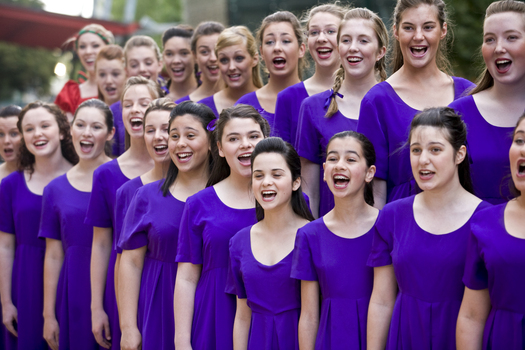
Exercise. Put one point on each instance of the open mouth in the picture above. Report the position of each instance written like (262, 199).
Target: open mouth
(426, 174)
(160, 149)
(213, 69)
(354, 60)
(503, 65)
(178, 71)
(324, 52)
(268, 195)
(136, 123)
(521, 168)
(111, 90)
(418, 51)
(245, 159)
(9, 152)
(184, 156)
(234, 77)
(40, 144)
(341, 181)
(279, 62)
(86, 146)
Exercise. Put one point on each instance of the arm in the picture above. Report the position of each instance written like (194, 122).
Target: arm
(472, 316)
(241, 325)
(311, 176)
(380, 192)
(131, 264)
(188, 276)
(7, 257)
(381, 306)
(99, 268)
(116, 270)
(309, 320)
(53, 262)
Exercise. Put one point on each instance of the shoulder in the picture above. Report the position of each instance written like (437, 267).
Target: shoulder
(247, 99)
(293, 92)
(128, 189)
(206, 100)
(71, 86)
(107, 168)
(400, 207)
(486, 219)
(312, 228)
(379, 91)
(182, 99)
(204, 198)
(116, 107)
(239, 239)
(57, 184)
(462, 86)
(463, 104)
(13, 179)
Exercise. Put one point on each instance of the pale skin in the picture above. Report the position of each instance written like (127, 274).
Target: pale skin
(208, 65)
(9, 139)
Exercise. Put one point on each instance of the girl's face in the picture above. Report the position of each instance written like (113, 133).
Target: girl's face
(206, 59)
(178, 59)
(272, 181)
(90, 133)
(239, 137)
(88, 46)
(433, 159)
(142, 60)
(359, 48)
(134, 104)
(419, 34)
(9, 139)
(156, 135)
(236, 64)
(322, 39)
(110, 77)
(517, 158)
(41, 132)
(280, 49)
(345, 168)
(503, 47)
(188, 144)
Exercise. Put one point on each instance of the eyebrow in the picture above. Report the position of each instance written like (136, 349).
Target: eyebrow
(348, 151)
(274, 169)
(430, 143)
(427, 22)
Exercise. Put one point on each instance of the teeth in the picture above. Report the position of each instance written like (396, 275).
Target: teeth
(213, 67)
(161, 147)
(86, 143)
(503, 62)
(340, 177)
(425, 172)
(279, 60)
(354, 59)
(184, 155)
(40, 143)
(268, 192)
(136, 120)
(324, 50)
(247, 155)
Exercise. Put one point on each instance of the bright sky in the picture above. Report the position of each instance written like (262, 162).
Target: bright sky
(70, 7)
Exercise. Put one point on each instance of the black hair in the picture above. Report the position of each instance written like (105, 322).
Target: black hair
(10, 111)
(181, 31)
(277, 145)
(106, 112)
(514, 192)
(369, 153)
(205, 29)
(200, 112)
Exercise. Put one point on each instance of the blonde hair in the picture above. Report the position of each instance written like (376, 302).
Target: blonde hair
(104, 34)
(333, 9)
(110, 53)
(138, 41)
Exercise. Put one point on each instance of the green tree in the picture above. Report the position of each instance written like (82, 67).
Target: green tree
(159, 10)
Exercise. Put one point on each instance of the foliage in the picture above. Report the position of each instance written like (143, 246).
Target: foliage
(37, 4)
(159, 10)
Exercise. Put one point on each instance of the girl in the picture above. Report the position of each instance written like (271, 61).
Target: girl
(238, 65)
(204, 314)
(421, 79)
(88, 43)
(330, 253)
(137, 95)
(151, 231)
(46, 152)
(322, 25)
(493, 308)
(362, 39)
(268, 300)
(420, 241)
(203, 49)
(110, 74)
(9, 139)
(282, 48)
(67, 297)
(496, 103)
(179, 61)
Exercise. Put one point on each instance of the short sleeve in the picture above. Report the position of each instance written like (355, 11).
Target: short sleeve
(50, 219)
(119, 144)
(307, 138)
(475, 276)
(135, 224)
(68, 98)
(283, 117)
(98, 213)
(382, 243)
(234, 281)
(7, 222)
(190, 245)
(303, 267)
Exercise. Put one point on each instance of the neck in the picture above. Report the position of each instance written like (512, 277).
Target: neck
(236, 94)
(193, 181)
(184, 88)
(11, 166)
(137, 150)
(278, 84)
(521, 201)
(350, 209)
(91, 78)
(279, 219)
(421, 74)
(358, 87)
(508, 92)
(51, 165)
(324, 76)
(158, 172)
(88, 166)
(208, 87)
(240, 181)
(441, 198)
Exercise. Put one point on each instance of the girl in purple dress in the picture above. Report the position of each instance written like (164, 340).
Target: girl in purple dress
(322, 24)
(422, 78)
(420, 242)
(281, 42)
(10, 138)
(493, 308)
(239, 66)
(330, 253)
(204, 313)
(268, 299)
(110, 73)
(325, 114)
(497, 102)
(46, 152)
(107, 179)
(150, 232)
(67, 297)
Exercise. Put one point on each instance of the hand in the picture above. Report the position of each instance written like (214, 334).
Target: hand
(51, 332)
(100, 324)
(10, 318)
(131, 339)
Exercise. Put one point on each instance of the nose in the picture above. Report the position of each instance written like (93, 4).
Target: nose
(245, 143)
(181, 143)
(213, 57)
(160, 134)
(499, 47)
(322, 36)
(277, 46)
(418, 34)
(423, 157)
(142, 67)
(231, 66)
(87, 131)
(267, 180)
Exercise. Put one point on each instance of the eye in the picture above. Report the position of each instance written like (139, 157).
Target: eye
(14, 134)
(96, 46)
(3, 135)
(29, 129)
(415, 150)
(233, 139)
(223, 61)
(269, 42)
(331, 31)
(313, 32)
(174, 136)
(429, 27)
(489, 40)
(287, 41)
(101, 75)
(258, 176)
(519, 141)
(407, 28)
(512, 37)
(204, 52)
(435, 150)
(351, 160)
(191, 136)
(255, 136)
(97, 127)
(331, 159)
(364, 41)
(79, 125)
(239, 58)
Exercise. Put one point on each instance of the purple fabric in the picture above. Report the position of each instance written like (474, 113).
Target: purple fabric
(20, 212)
(182, 99)
(385, 119)
(252, 100)
(345, 282)
(272, 295)
(107, 179)
(205, 231)
(125, 194)
(496, 260)
(287, 111)
(314, 132)
(63, 210)
(119, 140)
(429, 270)
(153, 220)
(488, 146)
(210, 102)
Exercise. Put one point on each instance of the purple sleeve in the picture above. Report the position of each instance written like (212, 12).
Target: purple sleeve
(98, 213)
(307, 139)
(135, 225)
(302, 264)
(382, 243)
(475, 276)
(190, 245)
(283, 118)
(234, 281)
(7, 223)
(119, 139)
(50, 220)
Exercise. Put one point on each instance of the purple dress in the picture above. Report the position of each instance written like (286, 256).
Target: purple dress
(20, 211)
(210, 102)
(429, 270)
(286, 117)
(488, 147)
(205, 231)
(153, 220)
(252, 100)
(385, 119)
(101, 213)
(63, 211)
(119, 140)
(272, 295)
(125, 194)
(496, 260)
(313, 134)
(345, 282)
(182, 99)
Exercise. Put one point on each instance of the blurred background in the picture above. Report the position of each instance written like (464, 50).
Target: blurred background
(35, 65)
